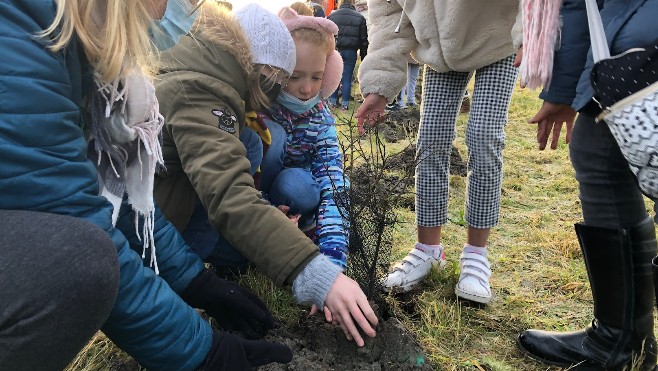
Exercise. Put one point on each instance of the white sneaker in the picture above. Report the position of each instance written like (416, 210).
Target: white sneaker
(412, 269)
(474, 278)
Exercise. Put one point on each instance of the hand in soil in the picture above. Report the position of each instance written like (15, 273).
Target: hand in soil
(234, 307)
(231, 352)
(325, 310)
(371, 111)
(348, 304)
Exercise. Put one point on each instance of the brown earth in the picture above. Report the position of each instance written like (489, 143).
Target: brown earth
(318, 345)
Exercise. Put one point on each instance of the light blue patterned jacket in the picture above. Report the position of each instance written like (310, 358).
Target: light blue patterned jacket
(312, 144)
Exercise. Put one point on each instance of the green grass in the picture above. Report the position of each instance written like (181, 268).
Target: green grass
(538, 278)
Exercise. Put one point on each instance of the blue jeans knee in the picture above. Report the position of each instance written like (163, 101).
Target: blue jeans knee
(273, 159)
(297, 189)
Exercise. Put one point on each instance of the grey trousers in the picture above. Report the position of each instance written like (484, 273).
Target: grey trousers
(609, 194)
(59, 278)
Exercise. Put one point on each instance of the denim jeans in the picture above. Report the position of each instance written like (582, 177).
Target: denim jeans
(293, 187)
(349, 62)
(202, 238)
(409, 91)
(273, 159)
(609, 194)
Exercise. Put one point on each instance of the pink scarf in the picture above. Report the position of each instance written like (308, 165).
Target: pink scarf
(541, 37)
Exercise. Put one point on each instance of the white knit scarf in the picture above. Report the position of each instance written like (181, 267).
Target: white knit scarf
(125, 147)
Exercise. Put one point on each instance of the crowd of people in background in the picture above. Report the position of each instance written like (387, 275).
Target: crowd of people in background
(155, 150)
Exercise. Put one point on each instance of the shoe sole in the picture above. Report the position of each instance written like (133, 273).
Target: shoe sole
(472, 297)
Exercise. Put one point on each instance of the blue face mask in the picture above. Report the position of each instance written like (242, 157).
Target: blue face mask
(295, 104)
(176, 22)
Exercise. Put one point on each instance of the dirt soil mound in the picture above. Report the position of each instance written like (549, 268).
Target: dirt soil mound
(318, 345)
(400, 124)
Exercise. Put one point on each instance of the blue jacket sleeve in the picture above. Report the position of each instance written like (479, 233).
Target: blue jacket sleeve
(178, 265)
(569, 59)
(327, 168)
(44, 168)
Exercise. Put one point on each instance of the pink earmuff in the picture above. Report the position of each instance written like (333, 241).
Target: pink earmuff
(333, 70)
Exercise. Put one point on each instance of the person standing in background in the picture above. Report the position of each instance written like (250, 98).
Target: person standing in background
(454, 39)
(409, 90)
(303, 8)
(352, 38)
(318, 8)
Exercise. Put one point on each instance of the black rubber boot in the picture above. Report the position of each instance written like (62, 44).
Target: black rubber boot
(621, 335)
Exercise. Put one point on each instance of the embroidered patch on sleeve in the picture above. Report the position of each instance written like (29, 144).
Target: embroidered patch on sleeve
(227, 120)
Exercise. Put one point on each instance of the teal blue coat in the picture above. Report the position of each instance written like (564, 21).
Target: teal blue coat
(44, 167)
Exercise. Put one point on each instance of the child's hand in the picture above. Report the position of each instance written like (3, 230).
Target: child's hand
(327, 313)
(350, 308)
(371, 111)
(294, 218)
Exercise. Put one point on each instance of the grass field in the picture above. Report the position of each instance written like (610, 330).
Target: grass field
(538, 278)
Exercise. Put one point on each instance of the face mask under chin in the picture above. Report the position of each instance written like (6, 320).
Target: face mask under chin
(295, 104)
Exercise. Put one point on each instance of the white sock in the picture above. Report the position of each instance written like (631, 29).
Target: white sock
(476, 249)
(435, 250)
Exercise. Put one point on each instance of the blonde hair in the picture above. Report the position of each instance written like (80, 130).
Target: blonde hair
(302, 8)
(273, 75)
(312, 36)
(114, 47)
(227, 4)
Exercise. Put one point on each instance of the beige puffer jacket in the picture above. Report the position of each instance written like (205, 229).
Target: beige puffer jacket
(447, 35)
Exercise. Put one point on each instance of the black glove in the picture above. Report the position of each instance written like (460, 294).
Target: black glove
(234, 308)
(231, 352)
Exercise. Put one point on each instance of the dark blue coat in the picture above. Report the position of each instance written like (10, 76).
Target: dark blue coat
(352, 29)
(44, 167)
(628, 24)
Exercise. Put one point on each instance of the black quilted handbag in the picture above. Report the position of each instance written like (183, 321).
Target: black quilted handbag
(626, 88)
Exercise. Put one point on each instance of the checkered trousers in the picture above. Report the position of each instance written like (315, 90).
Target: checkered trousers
(485, 139)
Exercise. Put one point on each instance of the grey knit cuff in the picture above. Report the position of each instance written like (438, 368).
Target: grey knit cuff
(313, 283)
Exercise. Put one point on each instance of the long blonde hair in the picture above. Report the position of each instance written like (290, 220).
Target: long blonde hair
(117, 45)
